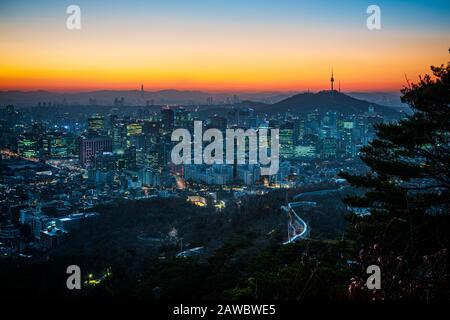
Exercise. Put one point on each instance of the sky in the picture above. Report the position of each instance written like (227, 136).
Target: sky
(217, 45)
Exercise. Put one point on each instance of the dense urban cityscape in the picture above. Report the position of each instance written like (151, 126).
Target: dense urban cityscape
(57, 166)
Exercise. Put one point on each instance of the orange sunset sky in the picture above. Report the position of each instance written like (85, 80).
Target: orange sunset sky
(219, 47)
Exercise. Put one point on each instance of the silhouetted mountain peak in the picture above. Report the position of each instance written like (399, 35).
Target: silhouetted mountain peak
(324, 101)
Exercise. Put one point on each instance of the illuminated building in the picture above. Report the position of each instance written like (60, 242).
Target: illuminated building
(119, 135)
(89, 147)
(305, 151)
(182, 118)
(329, 148)
(35, 219)
(150, 178)
(120, 159)
(56, 145)
(134, 129)
(299, 130)
(157, 156)
(96, 124)
(347, 138)
(286, 135)
(28, 145)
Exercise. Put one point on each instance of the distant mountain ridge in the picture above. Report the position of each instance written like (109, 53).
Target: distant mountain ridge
(135, 97)
(262, 102)
(391, 99)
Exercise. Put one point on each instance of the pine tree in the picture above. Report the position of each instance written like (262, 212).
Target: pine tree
(407, 191)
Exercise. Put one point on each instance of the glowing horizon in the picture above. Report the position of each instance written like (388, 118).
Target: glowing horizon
(219, 46)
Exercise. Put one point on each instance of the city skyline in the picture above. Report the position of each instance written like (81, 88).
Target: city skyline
(219, 46)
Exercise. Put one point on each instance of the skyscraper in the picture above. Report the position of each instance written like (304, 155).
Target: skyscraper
(167, 115)
(286, 135)
(28, 145)
(96, 124)
(89, 147)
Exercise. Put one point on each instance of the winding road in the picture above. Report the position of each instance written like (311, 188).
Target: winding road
(297, 227)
